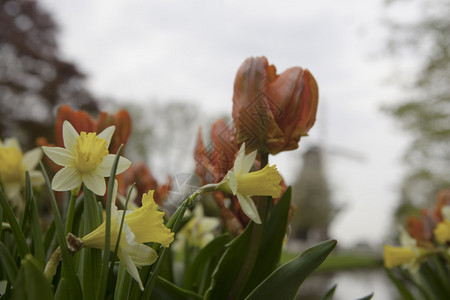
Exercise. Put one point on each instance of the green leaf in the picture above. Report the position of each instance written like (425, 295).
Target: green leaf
(197, 273)
(271, 247)
(402, 289)
(15, 228)
(430, 277)
(368, 297)
(104, 271)
(123, 283)
(230, 265)
(62, 292)
(30, 282)
(92, 258)
(68, 266)
(285, 281)
(330, 294)
(7, 263)
(38, 246)
(164, 289)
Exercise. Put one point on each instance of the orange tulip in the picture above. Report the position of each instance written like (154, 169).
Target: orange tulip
(272, 112)
(212, 164)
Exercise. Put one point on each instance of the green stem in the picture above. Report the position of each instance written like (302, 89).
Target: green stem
(92, 257)
(71, 210)
(264, 206)
(173, 224)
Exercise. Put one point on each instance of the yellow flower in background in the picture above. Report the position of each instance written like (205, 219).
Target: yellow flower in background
(14, 163)
(397, 256)
(198, 231)
(85, 158)
(242, 184)
(408, 255)
(141, 226)
(442, 232)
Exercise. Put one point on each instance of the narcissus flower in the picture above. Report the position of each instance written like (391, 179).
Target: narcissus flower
(199, 231)
(14, 163)
(85, 159)
(141, 226)
(408, 255)
(273, 111)
(442, 230)
(242, 184)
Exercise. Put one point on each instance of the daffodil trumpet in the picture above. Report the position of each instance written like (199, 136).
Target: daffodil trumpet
(141, 226)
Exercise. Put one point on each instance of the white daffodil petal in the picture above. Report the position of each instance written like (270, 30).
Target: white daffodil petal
(70, 135)
(208, 224)
(129, 266)
(13, 142)
(31, 158)
(12, 189)
(247, 162)
(141, 254)
(66, 179)
(249, 207)
(107, 134)
(60, 156)
(232, 182)
(104, 169)
(36, 178)
(95, 182)
(237, 168)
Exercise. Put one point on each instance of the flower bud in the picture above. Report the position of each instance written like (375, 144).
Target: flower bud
(272, 112)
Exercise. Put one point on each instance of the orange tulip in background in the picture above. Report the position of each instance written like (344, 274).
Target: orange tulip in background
(421, 228)
(272, 112)
(211, 165)
(139, 173)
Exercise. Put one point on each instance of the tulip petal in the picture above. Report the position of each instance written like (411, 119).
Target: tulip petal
(95, 182)
(104, 169)
(66, 179)
(31, 158)
(249, 207)
(70, 135)
(107, 134)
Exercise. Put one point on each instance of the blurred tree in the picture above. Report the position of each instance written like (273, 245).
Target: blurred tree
(420, 36)
(33, 76)
(312, 196)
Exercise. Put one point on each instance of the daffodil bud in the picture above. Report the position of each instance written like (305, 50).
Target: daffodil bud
(272, 112)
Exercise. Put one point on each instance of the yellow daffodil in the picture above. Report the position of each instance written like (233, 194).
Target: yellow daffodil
(85, 159)
(442, 230)
(141, 226)
(199, 231)
(408, 255)
(242, 184)
(396, 256)
(14, 163)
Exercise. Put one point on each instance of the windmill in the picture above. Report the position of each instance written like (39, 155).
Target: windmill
(312, 194)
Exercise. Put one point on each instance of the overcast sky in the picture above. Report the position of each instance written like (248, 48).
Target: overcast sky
(190, 50)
